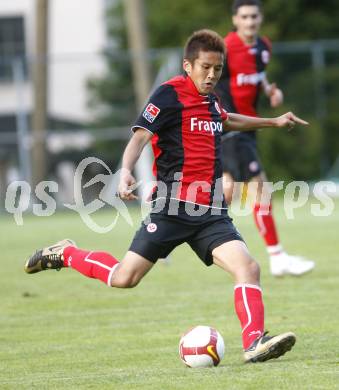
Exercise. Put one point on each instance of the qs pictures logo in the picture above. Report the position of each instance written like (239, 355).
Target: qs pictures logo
(106, 196)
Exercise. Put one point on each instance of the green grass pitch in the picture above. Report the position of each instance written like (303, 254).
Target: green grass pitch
(60, 330)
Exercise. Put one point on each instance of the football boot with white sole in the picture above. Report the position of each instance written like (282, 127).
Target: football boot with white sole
(269, 347)
(51, 257)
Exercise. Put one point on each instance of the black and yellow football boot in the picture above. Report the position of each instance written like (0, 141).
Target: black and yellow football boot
(50, 257)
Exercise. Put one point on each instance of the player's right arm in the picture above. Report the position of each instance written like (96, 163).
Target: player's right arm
(155, 116)
(131, 155)
(151, 120)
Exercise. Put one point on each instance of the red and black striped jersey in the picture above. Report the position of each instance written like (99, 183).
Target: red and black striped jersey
(244, 70)
(187, 129)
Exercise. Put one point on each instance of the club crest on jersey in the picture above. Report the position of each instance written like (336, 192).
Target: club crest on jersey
(151, 112)
(265, 56)
(152, 227)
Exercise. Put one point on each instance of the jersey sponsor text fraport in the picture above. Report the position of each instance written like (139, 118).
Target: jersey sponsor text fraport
(209, 126)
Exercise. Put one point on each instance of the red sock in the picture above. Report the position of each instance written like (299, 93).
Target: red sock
(250, 311)
(98, 265)
(265, 223)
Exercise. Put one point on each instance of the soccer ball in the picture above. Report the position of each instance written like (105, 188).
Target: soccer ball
(201, 346)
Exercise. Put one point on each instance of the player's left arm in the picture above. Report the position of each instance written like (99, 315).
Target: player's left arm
(274, 93)
(245, 123)
(271, 90)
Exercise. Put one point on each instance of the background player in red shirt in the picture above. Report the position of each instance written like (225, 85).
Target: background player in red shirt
(243, 79)
(184, 121)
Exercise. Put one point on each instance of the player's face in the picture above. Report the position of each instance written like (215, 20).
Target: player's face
(247, 21)
(205, 70)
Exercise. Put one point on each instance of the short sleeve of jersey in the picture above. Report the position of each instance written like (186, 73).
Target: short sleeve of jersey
(157, 112)
(220, 109)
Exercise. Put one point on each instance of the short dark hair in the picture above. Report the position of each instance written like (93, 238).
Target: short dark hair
(239, 3)
(203, 40)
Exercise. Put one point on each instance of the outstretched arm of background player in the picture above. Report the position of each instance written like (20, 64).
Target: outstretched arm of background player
(131, 155)
(274, 93)
(244, 122)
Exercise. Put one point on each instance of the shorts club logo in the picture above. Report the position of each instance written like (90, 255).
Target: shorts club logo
(151, 112)
(253, 166)
(152, 227)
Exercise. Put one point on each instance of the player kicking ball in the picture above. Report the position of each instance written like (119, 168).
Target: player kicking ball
(184, 121)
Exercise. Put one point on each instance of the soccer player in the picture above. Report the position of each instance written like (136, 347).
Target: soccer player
(242, 80)
(184, 121)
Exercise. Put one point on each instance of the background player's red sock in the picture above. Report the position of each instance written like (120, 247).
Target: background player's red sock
(98, 265)
(250, 311)
(265, 223)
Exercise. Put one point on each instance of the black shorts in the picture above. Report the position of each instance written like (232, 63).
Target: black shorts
(159, 234)
(240, 157)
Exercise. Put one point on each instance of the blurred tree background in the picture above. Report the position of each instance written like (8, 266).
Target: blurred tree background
(305, 153)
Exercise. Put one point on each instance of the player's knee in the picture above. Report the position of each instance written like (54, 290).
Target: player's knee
(133, 282)
(254, 269)
(248, 271)
(125, 281)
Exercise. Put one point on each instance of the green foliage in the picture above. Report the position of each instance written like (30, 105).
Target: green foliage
(112, 96)
(291, 156)
(171, 22)
(114, 91)
(301, 19)
(332, 119)
(295, 155)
